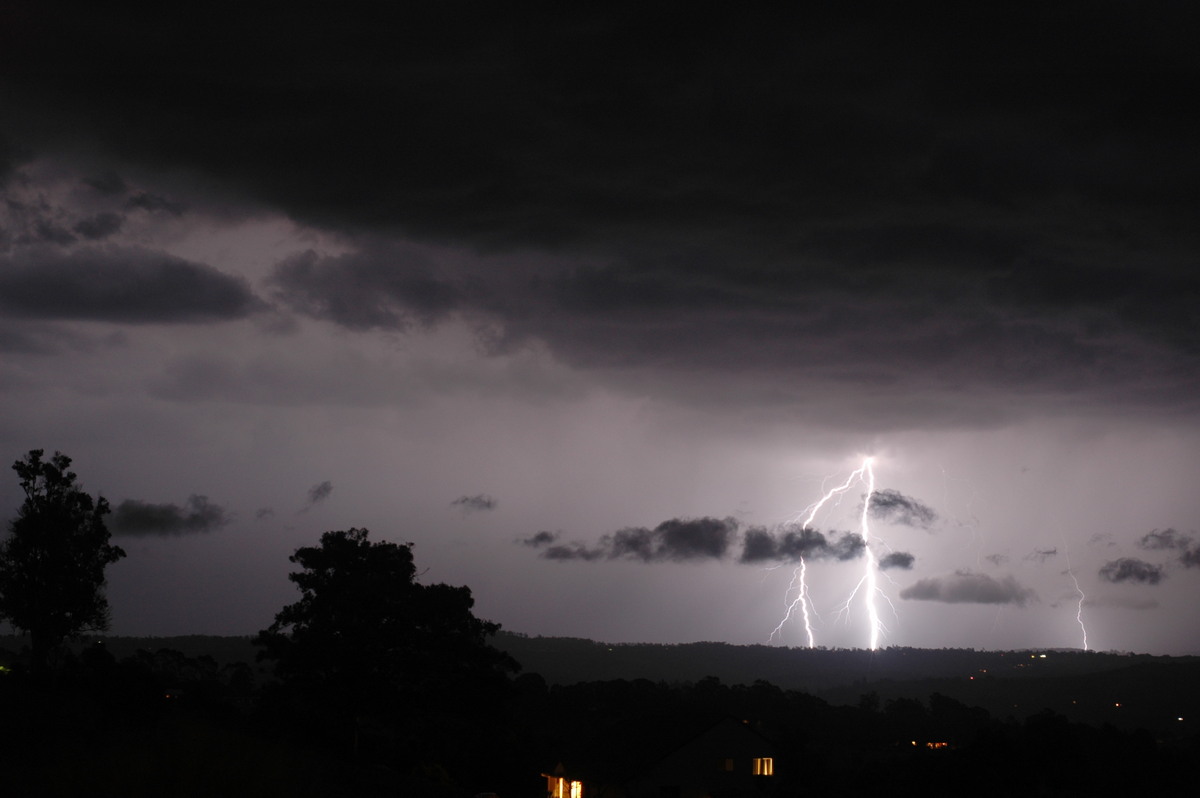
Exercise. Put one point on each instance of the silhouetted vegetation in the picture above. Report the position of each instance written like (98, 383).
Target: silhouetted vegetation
(52, 562)
(371, 661)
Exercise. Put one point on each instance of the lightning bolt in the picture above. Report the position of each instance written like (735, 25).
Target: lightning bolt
(864, 473)
(1079, 590)
(871, 563)
(800, 585)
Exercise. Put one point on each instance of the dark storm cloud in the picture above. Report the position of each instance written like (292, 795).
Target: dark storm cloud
(573, 551)
(374, 289)
(996, 559)
(540, 539)
(319, 492)
(138, 518)
(788, 544)
(1190, 557)
(480, 502)
(896, 508)
(899, 213)
(154, 203)
(897, 559)
(1041, 555)
(119, 284)
(108, 183)
(966, 587)
(792, 542)
(1160, 539)
(1130, 569)
(680, 539)
(675, 540)
(100, 226)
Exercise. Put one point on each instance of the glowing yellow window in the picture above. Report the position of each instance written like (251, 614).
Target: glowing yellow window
(764, 767)
(577, 789)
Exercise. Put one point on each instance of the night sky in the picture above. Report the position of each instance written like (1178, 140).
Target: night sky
(592, 306)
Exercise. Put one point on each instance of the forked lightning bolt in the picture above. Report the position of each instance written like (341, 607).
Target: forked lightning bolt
(800, 585)
(864, 473)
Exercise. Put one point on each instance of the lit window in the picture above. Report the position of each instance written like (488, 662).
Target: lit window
(764, 767)
(577, 789)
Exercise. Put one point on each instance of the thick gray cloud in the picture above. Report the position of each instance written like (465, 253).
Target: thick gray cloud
(896, 508)
(792, 542)
(966, 219)
(319, 492)
(370, 289)
(675, 540)
(897, 559)
(119, 284)
(967, 587)
(146, 201)
(480, 502)
(681, 539)
(1131, 569)
(100, 226)
(138, 518)
(1160, 539)
(540, 539)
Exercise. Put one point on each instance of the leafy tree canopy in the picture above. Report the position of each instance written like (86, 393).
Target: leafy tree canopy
(52, 563)
(366, 634)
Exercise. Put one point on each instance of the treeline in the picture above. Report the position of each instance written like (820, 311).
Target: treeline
(1124, 690)
(164, 723)
(566, 659)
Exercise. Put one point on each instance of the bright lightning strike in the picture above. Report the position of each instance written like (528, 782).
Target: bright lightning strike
(872, 565)
(800, 585)
(864, 473)
(1079, 607)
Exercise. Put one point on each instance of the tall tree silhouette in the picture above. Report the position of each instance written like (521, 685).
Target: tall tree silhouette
(52, 563)
(368, 648)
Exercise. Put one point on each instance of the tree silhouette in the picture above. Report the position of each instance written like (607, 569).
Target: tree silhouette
(368, 649)
(52, 563)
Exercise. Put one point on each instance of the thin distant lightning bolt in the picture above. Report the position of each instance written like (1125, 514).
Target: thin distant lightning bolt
(1079, 608)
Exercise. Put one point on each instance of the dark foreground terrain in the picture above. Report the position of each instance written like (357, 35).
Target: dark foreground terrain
(199, 716)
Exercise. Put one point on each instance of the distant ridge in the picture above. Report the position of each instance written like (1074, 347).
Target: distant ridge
(1122, 689)
(565, 660)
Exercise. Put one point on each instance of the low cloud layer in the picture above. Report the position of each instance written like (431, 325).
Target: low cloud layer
(480, 502)
(121, 285)
(894, 507)
(897, 559)
(693, 539)
(138, 518)
(1131, 569)
(319, 492)
(967, 587)
(1163, 539)
(676, 540)
(791, 542)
